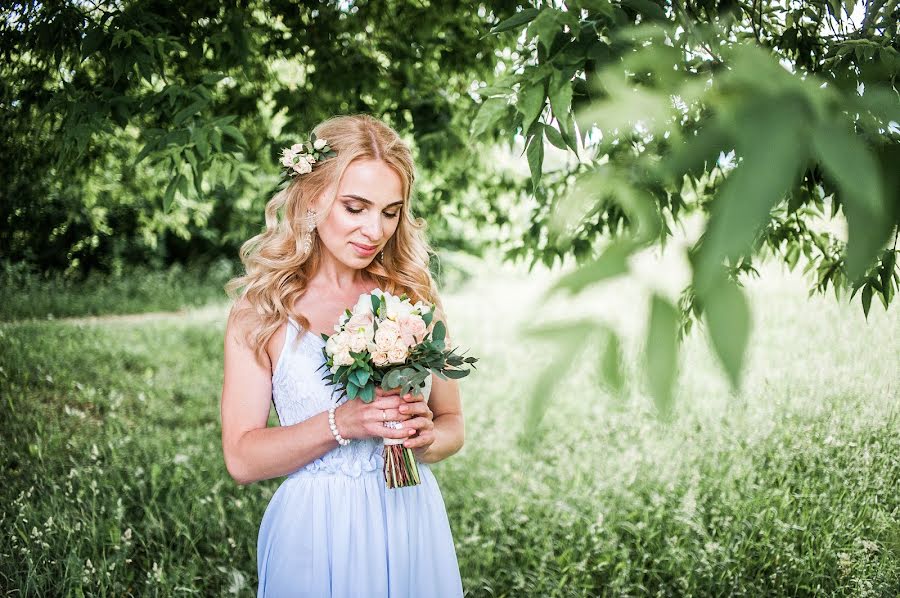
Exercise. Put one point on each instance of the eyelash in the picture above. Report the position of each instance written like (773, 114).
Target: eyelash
(352, 211)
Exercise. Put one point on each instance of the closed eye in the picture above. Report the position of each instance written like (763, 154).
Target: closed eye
(357, 211)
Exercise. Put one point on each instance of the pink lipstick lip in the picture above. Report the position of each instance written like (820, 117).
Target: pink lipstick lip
(365, 248)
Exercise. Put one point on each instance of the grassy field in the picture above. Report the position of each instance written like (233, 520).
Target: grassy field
(47, 296)
(113, 480)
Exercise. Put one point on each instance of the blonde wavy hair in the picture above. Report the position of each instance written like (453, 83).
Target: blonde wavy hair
(277, 270)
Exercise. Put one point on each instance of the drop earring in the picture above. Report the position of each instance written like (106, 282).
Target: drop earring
(382, 255)
(310, 229)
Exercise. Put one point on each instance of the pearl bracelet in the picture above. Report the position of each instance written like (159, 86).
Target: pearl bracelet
(334, 431)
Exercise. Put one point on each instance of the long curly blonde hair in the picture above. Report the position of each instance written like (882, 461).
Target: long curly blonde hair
(277, 270)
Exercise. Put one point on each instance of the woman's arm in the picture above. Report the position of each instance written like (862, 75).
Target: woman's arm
(448, 426)
(442, 433)
(254, 452)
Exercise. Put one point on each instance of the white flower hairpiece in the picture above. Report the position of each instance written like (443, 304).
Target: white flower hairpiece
(300, 157)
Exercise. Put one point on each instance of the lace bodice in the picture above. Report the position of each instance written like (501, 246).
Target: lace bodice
(299, 392)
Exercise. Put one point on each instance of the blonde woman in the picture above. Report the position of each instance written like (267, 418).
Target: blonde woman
(342, 227)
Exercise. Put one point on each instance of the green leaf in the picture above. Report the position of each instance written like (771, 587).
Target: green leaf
(850, 163)
(201, 143)
(535, 152)
(866, 299)
(554, 137)
(235, 134)
(612, 262)
(169, 195)
(517, 20)
(646, 8)
(91, 42)
(545, 27)
(439, 331)
(367, 393)
(661, 352)
(456, 374)
(376, 303)
(767, 135)
(531, 102)
(185, 113)
(490, 111)
(560, 97)
(611, 368)
(728, 317)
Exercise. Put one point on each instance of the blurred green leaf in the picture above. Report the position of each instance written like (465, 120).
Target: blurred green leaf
(771, 157)
(728, 317)
(612, 262)
(661, 352)
(611, 367)
(850, 163)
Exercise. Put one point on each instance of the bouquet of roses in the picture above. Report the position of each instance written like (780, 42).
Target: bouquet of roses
(389, 342)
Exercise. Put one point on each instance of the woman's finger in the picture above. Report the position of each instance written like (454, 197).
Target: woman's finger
(388, 415)
(383, 392)
(426, 438)
(419, 423)
(388, 402)
(413, 398)
(416, 409)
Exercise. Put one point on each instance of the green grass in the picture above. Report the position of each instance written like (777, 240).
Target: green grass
(113, 480)
(29, 295)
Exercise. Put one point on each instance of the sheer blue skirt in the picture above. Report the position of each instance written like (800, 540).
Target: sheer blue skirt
(330, 534)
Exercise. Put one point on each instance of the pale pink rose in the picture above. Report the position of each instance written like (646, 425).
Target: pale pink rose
(380, 358)
(412, 330)
(358, 321)
(302, 166)
(397, 354)
(387, 335)
(287, 157)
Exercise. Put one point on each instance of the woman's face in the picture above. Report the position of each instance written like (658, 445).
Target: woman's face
(365, 213)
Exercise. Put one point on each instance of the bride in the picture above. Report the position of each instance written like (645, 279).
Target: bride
(342, 227)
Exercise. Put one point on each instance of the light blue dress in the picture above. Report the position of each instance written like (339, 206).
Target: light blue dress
(332, 529)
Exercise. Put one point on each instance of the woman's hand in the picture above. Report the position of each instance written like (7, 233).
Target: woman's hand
(356, 419)
(422, 420)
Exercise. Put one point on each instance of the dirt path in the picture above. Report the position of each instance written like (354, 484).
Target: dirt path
(208, 312)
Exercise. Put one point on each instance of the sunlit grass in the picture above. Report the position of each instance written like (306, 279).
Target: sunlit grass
(114, 481)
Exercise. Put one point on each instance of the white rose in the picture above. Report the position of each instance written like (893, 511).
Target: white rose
(343, 358)
(358, 342)
(380, 358)
(363, 305)
(339, 343)
(397, 308)
(320, 143)
(422, 307)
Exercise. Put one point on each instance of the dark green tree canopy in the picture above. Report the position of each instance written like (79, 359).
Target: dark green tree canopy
(149, 130)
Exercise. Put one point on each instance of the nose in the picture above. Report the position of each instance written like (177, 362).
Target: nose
(373, 228)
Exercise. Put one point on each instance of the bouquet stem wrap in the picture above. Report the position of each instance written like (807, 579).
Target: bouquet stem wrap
(400, 467)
